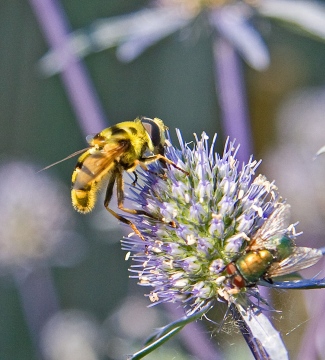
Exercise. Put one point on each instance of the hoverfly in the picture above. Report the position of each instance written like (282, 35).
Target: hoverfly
(114, 150)
(271, 253)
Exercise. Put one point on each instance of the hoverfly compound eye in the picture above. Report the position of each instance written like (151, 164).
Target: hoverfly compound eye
(153, 130)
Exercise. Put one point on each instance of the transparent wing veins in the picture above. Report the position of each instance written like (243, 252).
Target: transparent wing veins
(301, 258)
(96, 163)
(276, 224)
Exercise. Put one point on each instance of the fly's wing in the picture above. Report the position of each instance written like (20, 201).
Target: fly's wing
(94, 164)
(276, 224)
(301, 258)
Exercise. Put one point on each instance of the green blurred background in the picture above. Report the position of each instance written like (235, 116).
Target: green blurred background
(170, 80)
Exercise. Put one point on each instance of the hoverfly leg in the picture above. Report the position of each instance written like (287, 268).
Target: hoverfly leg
(120, 204)
(267, 279)
(120, 194)
(167, 161)
(135, 178)
(153, 158)
(142, 164)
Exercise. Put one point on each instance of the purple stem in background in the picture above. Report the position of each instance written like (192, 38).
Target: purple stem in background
(81, 92)
(307, 346)
(231, 95)
(234, 115)
(37, 291)
(39, 301)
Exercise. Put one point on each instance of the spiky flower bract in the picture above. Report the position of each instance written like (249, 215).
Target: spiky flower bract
(202, 221)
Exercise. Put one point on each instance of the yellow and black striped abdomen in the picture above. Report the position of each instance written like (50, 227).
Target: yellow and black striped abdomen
(84, 200)
(91, 170)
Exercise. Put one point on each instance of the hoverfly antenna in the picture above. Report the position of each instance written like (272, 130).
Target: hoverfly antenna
(66, 158)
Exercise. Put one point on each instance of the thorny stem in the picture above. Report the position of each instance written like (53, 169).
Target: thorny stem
(202, 348)
(254, 345)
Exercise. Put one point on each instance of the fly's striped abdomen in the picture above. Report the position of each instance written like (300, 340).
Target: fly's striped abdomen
(92, 168)
(84, 200)
(83, 192)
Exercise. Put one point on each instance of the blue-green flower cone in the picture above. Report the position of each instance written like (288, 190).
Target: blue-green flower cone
(211, 228)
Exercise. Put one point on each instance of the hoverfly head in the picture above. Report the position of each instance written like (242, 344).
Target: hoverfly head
(156, 130)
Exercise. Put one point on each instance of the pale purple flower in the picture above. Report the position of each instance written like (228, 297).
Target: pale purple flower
(133, 33)
(214, 225)
(199, 235)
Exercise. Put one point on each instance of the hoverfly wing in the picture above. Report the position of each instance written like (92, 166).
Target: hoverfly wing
(90, 170)
(301, 258)
(96, 163)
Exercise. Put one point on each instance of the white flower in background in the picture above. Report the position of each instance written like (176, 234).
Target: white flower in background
(300, 133)
(133, 33)
(35, 217)
(71, 335)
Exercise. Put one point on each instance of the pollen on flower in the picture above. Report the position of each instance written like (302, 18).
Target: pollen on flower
(143, 280)
(168, 263)
(258, 209)
(156, 249)
(145, 263)
(153, 297)
(240, 194)
(219, 280)
(180, 283)
(190, 239)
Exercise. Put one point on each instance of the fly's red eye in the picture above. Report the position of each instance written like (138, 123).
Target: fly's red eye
(239, 281)
(231, 269)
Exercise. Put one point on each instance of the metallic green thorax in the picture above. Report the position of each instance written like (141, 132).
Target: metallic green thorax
(284, 246)
(254, 264)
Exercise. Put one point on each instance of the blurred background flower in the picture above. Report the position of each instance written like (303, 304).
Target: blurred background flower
(36, 232)
(71, 334)
(36, 222)
(300, 127)
(229, 27)
(46, 119)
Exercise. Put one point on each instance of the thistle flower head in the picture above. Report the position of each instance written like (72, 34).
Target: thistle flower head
(206, 220)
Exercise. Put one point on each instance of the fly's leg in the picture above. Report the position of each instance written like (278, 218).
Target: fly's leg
(135, 178)
(120, 194)
(120, 204)
(143, 161)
